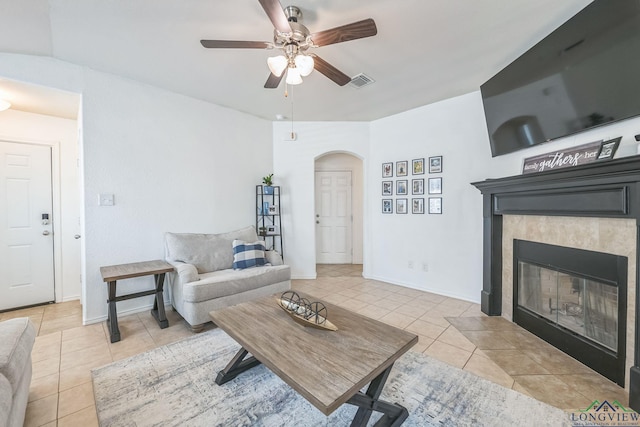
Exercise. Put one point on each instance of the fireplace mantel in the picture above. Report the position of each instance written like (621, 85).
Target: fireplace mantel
(602, 189)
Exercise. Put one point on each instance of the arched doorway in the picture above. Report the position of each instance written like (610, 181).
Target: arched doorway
(339, 209)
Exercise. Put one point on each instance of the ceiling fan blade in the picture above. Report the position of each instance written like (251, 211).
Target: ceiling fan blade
(273, 81)
(345, 33)
(330, 71)
(234, 44)
(275, 12)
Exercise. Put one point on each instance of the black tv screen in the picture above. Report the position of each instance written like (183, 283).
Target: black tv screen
(584, 74)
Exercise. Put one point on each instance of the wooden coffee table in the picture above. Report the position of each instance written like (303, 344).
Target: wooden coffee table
(327, 368)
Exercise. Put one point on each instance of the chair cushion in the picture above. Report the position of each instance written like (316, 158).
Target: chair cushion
(247, 255)
(223, 283)
(16, 341)
(207, 252)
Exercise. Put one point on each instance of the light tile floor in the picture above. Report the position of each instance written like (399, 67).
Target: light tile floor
(451, 330)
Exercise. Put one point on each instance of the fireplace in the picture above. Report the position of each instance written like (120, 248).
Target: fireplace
(574, 299)
(599, 203)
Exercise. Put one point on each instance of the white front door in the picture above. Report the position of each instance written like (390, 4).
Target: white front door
(333, 218)
(26, 240)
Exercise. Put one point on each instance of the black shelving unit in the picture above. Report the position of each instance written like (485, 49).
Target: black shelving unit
(268, 219)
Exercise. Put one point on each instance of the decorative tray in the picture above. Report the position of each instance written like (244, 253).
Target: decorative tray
(311, 314)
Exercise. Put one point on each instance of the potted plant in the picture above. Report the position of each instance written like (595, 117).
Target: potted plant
(268, 184)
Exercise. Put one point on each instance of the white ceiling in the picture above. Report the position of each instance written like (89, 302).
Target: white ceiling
(425, 50)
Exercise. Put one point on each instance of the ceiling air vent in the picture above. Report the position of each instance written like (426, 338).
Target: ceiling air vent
(361, 80)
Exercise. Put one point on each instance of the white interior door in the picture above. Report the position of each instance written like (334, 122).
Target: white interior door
(26, 240)
(333, 218)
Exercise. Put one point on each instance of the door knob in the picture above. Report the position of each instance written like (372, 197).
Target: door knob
(45, 233)
(77, 236)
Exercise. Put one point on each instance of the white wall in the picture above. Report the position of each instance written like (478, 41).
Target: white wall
(179, 164)
(449, 243)
(293, 168)
(62, 135)
(173, 163)
(346, 162)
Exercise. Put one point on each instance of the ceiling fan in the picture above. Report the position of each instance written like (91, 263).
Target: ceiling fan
(295, 41)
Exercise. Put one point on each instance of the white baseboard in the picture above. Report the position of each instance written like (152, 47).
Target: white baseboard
(304, 277)
(413, 286)
(122, 313)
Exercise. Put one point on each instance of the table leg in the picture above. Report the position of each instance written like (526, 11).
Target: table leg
(158, 305)
(393, 414)
(112, 317)
(237, 366)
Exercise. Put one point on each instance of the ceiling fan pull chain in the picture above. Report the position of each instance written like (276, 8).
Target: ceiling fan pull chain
(292, 133)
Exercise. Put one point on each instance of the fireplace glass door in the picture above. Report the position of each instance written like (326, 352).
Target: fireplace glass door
(586, 307)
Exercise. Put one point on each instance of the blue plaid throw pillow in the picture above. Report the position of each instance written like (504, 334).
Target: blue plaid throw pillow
(247, 255)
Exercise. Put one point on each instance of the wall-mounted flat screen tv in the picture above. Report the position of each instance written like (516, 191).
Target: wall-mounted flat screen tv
(584, 74)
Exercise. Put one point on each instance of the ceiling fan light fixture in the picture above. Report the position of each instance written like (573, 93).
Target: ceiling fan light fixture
(305, 64)
(293, 76)
(277, 64)
(4, 105)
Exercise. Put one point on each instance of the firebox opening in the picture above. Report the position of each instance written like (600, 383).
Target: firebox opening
(575, 300)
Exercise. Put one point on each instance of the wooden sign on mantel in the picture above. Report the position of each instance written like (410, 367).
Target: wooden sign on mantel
(570, 157)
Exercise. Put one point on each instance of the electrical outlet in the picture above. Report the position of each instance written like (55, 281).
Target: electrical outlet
(410, 264)
(106, 199)
(425, 267)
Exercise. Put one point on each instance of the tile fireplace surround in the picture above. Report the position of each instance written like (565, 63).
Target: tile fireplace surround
(594, 207)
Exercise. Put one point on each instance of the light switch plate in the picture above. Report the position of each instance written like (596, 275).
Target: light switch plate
(106, 200)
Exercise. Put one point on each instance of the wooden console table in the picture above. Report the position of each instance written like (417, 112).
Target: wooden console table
(112, 273)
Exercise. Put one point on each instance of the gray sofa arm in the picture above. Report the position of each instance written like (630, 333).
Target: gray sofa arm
(186, 272)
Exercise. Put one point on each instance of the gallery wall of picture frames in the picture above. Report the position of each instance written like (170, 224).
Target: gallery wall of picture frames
(402, 179)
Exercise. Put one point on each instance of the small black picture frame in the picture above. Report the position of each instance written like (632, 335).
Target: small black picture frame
(402, 187)
(435, 164)
(401, 206)
(387, 170)
(417, 206)
(435, 205)
(417, 186)
(435, 185)
(402, 168)
(387, 188)
(387, 206)
(608, 149)
(417, 166)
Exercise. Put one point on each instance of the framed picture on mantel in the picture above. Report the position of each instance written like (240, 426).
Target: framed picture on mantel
(608, 149)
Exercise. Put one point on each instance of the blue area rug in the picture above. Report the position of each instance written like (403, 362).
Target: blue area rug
(174, 386)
